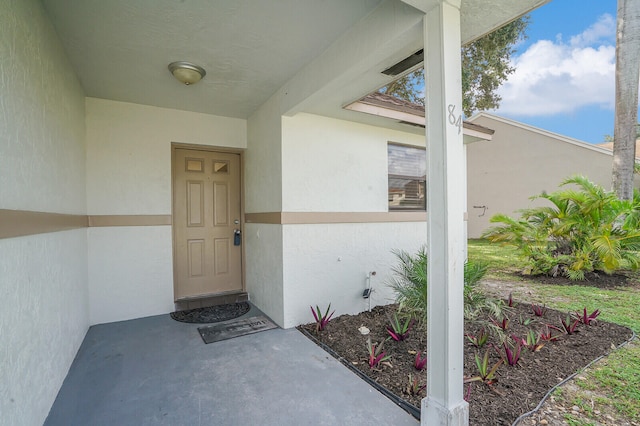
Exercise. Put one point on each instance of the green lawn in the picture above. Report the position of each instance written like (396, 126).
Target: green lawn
(612, 384)
(501, 259)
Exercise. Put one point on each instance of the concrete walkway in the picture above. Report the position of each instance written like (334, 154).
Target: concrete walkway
(156, 371)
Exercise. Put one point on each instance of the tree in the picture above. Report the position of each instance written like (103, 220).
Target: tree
(409, 87)
(486, 64)
(627, 79)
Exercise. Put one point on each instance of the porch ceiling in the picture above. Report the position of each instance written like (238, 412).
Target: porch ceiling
(250, 49)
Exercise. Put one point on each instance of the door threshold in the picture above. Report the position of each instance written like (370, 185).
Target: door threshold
(206, 300)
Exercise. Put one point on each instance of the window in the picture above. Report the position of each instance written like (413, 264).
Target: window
(407, 177)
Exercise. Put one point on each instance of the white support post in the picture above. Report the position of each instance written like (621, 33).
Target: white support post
(444, 404)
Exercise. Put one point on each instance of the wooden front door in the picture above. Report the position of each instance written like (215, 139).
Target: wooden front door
(206, 223)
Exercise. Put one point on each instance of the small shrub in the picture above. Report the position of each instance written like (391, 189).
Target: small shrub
(583, 230)
(476, 302)
(409, 283)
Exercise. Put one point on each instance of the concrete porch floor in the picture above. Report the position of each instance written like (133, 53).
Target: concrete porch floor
(156, 371)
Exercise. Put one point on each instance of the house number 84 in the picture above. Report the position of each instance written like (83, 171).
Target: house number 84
(453, 119)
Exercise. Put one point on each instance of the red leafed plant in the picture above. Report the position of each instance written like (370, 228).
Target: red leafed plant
(376, 355)
(467, 394)
(538, 310)
(546, 334)
(321, 320)
(414, 387)
(569, 325)
(399, 330)
(510, 300)
(502, 324)
(480, 339)
(420, 362)
(511, 354)
(485, 375)
(587, 319)
(532, 341)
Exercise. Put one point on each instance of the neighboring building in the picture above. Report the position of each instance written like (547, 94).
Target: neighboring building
(609, 146)
(522, 161)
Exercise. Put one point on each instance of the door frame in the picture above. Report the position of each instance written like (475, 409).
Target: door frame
(208, 148)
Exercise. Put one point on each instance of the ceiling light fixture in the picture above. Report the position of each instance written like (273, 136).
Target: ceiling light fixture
(186, 72)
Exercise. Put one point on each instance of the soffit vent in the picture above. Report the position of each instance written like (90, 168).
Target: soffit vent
(405, 64)
(412, 124)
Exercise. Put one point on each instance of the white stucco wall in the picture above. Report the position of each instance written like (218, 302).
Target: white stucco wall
(43, 320)
(131, 272)
(129, 173)
(332, 165)
(263, 160)
(42, 277)
(328, 263)
(264, 268)
(129, 153)
(263, 194)
(41, 116)
(521, 161)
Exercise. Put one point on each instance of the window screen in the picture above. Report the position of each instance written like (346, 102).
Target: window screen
(407, 177)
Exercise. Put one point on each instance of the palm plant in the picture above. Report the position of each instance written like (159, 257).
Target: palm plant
(582, 230)
(409, 282)
(475, 300)
(410, 285)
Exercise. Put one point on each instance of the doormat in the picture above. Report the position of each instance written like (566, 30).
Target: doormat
(211, 314)
(241, 327)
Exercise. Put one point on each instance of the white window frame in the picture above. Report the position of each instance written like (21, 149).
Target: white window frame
(398, 198)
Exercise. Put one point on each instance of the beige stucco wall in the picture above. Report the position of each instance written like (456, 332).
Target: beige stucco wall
(129, 173)
(522, 161)
(43, 278)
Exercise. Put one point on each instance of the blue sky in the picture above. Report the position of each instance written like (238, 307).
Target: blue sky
(565, 71)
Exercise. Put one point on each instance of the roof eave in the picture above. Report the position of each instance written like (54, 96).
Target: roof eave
(388, 107)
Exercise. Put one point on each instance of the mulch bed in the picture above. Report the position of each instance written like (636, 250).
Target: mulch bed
(518, 390)
(592, 279)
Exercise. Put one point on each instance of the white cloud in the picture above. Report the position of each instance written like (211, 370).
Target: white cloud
(604, 30)
(554, 77)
